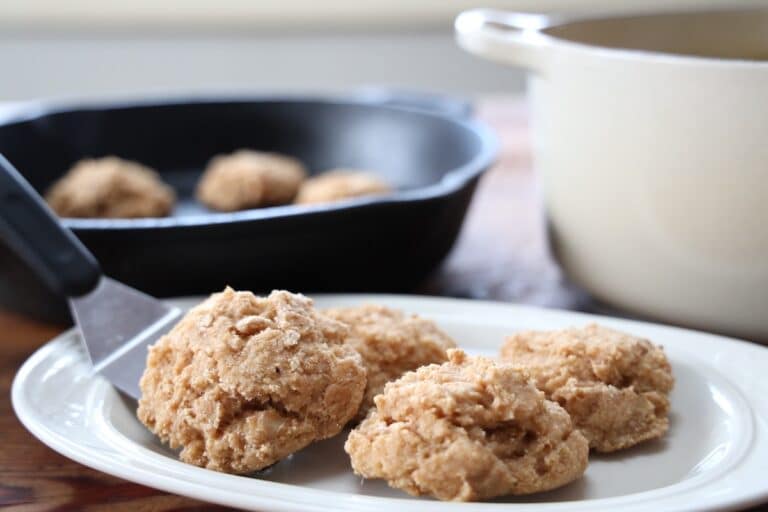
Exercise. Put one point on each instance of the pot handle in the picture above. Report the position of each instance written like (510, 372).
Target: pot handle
(507, 37)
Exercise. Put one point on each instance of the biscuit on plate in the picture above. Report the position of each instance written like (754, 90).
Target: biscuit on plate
(468, 429)
(391, 343)
(615, 386)
(110, 187)
(249, 179)
(339, 184)
(243, 381)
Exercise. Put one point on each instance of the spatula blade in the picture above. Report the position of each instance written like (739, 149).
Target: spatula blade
(117, 324)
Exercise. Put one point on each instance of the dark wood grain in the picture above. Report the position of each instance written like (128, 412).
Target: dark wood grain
(501, 254)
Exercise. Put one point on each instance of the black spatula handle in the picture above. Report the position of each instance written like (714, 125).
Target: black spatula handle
(33, 231)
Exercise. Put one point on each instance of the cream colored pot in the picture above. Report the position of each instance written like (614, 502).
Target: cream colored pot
(651, 139)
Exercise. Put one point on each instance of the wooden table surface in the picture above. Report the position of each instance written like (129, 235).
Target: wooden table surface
(501, 254)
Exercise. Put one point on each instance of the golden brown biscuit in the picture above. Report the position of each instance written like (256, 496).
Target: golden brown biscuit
(243, 381)
(249, 179)
(391, 343)
(615, 386)
(340, 184)
(110, 187)
(468, 429)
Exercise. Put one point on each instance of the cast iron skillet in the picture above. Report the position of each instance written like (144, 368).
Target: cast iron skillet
(369, 244)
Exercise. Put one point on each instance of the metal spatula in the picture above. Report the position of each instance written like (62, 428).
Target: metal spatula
(117, 322)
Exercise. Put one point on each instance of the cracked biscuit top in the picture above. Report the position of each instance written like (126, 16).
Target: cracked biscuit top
(249, 179)
(243, 381)
(390, 343)
(468, 429)
(339, 184)
(110, 187)
(615, 386)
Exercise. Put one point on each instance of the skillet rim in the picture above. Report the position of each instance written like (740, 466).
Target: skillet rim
(452, 181)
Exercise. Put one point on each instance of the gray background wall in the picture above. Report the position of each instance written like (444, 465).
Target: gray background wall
(85, 48)
(87, 65)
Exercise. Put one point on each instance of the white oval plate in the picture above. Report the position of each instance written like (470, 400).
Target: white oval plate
(714, 457)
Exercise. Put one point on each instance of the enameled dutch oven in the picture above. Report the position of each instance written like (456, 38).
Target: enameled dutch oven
(651, 139)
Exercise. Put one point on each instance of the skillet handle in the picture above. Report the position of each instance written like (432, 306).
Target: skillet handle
(33, 231)
(449, 106)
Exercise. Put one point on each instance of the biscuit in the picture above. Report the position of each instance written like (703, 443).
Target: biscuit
(468, 429)
(391, 343)
(249, 179)
(615, 386)
(243, 381)
(110, 187)
(339, 184)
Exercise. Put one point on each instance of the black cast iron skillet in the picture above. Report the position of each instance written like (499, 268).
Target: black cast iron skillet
(429, 150)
